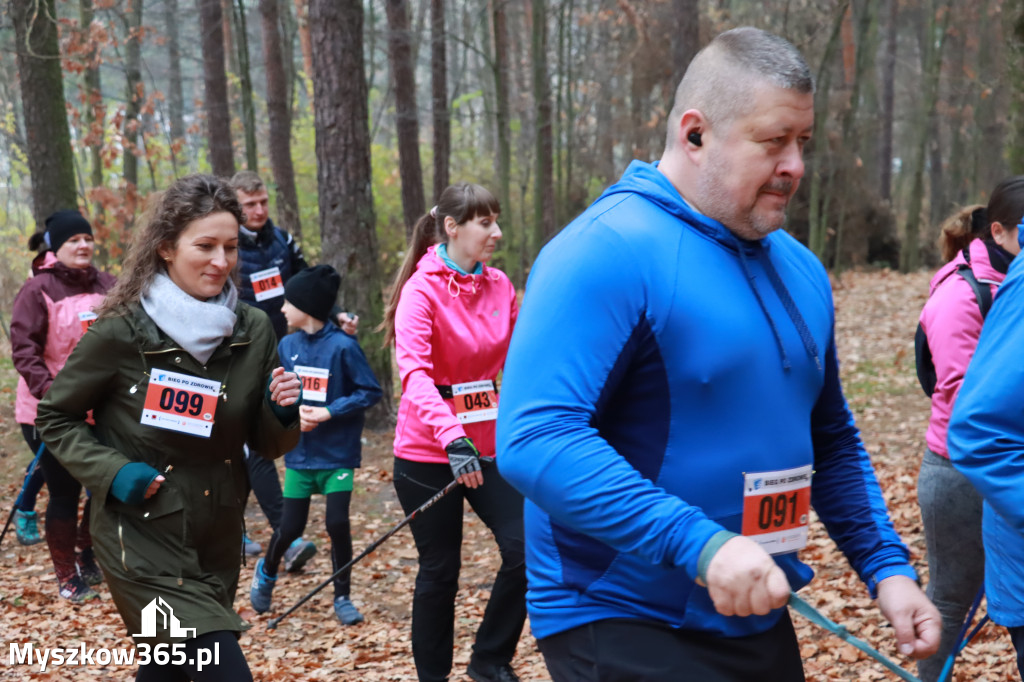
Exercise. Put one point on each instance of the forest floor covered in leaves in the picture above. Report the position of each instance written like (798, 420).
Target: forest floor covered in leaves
(877, 314)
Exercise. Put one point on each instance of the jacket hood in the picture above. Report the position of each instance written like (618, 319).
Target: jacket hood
(44, 261)
(433, 266)
(980, 262)
(645, 179)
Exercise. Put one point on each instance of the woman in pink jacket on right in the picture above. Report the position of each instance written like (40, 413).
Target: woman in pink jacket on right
(451, 318)
(978, 241)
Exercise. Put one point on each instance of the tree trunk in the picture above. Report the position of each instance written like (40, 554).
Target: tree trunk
(94, 110)
(544, 190)
(279, 113)
(885, 155)
(175, 91)
(685, 37)
(245, 83)
(502, 116)
(347, 223)
(439, 100)
(47, 137)
(302, 17)
(135, 93)
(931, 63)
(408, 126)
(218, 113)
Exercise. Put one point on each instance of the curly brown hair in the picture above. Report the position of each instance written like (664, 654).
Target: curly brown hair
(170, 213)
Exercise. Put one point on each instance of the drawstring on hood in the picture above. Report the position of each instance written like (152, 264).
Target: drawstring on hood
(646, 179)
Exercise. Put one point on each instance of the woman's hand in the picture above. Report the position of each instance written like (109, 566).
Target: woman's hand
(285, 387)
(154, 486)
(311, 417)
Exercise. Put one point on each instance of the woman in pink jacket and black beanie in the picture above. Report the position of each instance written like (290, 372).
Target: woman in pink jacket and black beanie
(50, 314)
(979, 243)
(451, 318)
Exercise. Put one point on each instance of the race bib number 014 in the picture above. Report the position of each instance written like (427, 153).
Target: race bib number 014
(182, 403)
(475, 401)
(267, 284)
(776, 505)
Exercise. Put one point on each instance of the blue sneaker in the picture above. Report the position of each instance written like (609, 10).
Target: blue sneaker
(250, 546)
(262, 589)
(346, 611)
(26, 528)
(297, 554)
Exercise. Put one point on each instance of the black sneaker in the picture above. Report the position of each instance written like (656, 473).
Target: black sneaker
(494, 673)
(89, 570)
(77, 592)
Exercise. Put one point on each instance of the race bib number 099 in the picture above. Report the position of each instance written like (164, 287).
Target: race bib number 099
(776, 506)
(180, 402)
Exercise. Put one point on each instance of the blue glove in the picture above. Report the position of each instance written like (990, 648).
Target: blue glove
(131, 482)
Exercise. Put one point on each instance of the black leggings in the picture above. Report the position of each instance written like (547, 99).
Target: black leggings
(231, 662)
(438, 535)
(35, 481)
(266, 486)
(293, 521)
(63, 531)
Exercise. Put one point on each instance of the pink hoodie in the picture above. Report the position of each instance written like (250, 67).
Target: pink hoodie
(952, 322)
(449, 329)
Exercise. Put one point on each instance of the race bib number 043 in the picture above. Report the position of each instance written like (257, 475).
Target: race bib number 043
(776, 505)
(475, 401)
(182, 403)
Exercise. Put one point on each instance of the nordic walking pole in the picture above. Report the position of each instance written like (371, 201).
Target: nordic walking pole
(17, 502)
(274, 622)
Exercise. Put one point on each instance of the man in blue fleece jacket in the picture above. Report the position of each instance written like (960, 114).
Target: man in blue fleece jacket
(671, 404)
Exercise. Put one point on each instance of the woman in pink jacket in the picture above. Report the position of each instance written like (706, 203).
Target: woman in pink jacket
(451, 318)
(981, 242)
(51, 313)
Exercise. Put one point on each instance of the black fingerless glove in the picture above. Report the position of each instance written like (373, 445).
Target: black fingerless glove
(463, 457)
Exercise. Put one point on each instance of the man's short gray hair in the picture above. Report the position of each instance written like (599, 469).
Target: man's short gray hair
(719, 80)
(246, 181)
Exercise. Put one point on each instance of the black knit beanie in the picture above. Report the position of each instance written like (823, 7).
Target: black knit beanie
(62, 226)
(314, 290)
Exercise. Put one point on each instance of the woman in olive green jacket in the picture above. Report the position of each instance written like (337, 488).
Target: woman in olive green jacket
(179, 376)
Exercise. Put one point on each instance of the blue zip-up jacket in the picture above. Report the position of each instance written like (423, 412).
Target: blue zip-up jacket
(351, 389)
(272, 247)
(986, 443)
(653, 364)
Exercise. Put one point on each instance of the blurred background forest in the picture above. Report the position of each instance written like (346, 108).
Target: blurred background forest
(358, 112)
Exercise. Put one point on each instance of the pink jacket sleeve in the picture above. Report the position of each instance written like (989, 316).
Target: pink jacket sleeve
(414, 354)
(953, 328)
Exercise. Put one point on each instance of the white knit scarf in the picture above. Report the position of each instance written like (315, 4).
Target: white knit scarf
(198, 326)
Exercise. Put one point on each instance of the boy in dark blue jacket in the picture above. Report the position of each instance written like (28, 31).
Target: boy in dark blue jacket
(337, 387)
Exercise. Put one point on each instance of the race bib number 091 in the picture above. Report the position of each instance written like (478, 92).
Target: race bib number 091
(776, 506)
(475, 401)
(182, 403)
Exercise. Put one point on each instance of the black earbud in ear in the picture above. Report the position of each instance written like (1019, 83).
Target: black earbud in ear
(694, 138)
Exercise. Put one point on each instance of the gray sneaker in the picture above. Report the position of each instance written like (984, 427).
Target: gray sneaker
(250, 546)
(297, 554)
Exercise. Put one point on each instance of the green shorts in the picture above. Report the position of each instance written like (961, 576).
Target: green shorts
(301, 484)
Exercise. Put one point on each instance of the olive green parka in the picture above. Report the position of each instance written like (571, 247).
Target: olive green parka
(182, 545)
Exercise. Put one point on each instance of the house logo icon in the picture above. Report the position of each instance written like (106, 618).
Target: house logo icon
(160, 611)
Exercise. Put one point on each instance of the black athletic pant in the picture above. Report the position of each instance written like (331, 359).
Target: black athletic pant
(232, 666)
(36, 480)
(621, 650)
(438, 536)
(266, 485)
(62, 529)
(293, 522)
